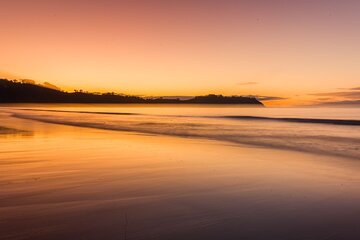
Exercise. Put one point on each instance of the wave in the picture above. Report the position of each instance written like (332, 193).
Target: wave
(348, 122)
(13, 131)
(321, 139)
(87, 112)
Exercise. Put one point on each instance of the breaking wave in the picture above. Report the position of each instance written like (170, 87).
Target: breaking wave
(350, 122)
(325, 136)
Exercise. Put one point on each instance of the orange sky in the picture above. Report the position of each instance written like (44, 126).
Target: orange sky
(298, 50)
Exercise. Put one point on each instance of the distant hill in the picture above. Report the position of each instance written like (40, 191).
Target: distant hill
(12, 91)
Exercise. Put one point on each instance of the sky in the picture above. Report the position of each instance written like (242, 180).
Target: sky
(287, 52)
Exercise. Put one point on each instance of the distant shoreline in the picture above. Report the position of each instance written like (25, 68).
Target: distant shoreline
(12, 91)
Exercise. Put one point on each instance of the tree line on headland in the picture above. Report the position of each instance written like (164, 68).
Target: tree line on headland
(14, 91)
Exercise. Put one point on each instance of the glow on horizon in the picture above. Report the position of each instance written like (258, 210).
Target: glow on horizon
(277, 48)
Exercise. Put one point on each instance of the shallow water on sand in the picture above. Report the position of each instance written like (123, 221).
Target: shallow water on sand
(70, 182)
(334, 132)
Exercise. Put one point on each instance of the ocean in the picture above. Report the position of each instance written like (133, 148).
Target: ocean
(332, 131)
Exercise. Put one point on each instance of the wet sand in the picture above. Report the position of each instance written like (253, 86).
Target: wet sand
(62, 182)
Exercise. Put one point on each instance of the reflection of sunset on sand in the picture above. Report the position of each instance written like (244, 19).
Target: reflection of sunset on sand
(66, 181)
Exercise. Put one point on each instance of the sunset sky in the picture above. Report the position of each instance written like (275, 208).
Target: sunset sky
(295, 52)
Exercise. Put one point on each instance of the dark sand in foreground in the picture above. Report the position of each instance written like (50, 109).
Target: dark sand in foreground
(65, 182)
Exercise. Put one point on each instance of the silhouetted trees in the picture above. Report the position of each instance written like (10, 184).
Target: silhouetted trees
(12, 91)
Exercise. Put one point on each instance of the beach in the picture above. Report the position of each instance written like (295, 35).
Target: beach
(117, 176)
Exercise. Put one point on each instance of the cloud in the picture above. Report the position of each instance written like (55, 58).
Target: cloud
(270, 98)
(356, 88)
(324, 98)
(341, 103)
(247, 83)
(343, 94)
(49, 85)
(351, 89)
(28, 81)
(351, 97)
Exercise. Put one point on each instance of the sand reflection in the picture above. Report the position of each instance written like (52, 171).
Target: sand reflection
(70, 182)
